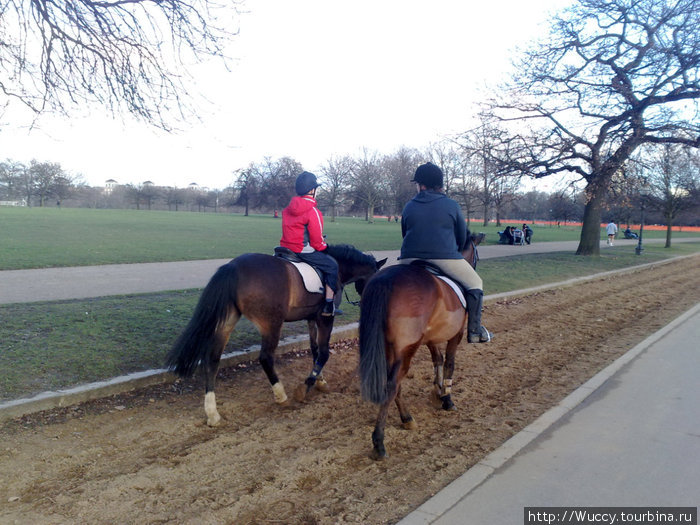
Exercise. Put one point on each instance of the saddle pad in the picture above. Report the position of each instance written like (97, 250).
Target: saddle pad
(312, 281)
(456, 289)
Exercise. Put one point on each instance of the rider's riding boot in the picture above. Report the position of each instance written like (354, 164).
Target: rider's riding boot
(328, 309)
(476, 333)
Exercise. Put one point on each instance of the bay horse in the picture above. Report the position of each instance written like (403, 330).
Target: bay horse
(403, 307)
(269, 291)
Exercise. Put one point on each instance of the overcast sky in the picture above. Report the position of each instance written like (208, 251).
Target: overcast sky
(309, 79)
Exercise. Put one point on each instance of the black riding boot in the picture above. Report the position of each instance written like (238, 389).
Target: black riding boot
(476, 333)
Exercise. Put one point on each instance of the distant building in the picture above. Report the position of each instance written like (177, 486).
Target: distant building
(110, 184)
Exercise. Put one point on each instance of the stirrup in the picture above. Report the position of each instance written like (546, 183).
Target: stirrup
(482, 336)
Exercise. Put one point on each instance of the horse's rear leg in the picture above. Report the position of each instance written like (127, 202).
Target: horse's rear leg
(211, 367)
(438, 362)
(396, 373)
(407, 420)
(448, 371)
(270, 340)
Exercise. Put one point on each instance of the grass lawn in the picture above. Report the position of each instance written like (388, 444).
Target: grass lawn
(48, 237)
(53, 345)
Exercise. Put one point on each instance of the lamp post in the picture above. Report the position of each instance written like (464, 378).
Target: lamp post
(642, 193)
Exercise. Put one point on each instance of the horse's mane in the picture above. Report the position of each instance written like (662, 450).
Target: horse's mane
(349, 253)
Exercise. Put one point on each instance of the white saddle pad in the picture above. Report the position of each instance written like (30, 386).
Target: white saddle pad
(312, 281)
(456, 289)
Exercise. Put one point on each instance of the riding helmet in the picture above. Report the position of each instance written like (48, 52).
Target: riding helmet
(429, 175)
(305, 183)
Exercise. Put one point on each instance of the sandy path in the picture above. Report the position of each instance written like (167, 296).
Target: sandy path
(148, 457)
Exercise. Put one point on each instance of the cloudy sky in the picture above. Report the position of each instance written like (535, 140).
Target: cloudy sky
(309, 79)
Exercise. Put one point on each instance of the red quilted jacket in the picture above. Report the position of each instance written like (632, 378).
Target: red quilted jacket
(302, 226)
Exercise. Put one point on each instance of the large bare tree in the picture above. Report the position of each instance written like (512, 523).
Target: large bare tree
(123, 54)
(611, 76)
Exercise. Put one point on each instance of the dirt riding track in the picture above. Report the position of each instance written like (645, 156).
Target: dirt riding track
(148, 457)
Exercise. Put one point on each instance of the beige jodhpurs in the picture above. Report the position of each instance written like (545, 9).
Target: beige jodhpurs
(459, 269)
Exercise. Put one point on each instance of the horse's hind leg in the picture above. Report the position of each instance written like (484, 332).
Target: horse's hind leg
(396, 373)
(407, 420)
(438, 362)
(270, 340)
(449, 369)
(211, 367)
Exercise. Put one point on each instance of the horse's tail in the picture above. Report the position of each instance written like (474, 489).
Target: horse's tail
(373, 321)
(201, 337)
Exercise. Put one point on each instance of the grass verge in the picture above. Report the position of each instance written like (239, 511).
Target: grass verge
(50, 237)
(55, 345)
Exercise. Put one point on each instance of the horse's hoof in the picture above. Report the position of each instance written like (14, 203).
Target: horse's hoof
(322, 386)
(214, 421)
(410, 424)
(300, 392)
(280, 395)
(377, 455)
(447, 403)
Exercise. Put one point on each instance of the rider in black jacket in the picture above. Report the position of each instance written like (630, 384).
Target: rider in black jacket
(434, 229)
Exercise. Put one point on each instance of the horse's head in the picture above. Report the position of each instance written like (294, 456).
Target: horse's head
(354, 266)
(469, 252)
(360, 283)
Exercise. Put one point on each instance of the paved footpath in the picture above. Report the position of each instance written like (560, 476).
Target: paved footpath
(81, 282)
(629, 437)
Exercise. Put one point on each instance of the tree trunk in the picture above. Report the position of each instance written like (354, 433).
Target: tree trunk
(370, 213)
(590, 232)
(669, 226)
(486, 214)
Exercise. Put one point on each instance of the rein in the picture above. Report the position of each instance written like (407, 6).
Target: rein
(475, 257)
(354, 303)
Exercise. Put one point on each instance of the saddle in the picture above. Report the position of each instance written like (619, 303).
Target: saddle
(437, 272)
(313, 280)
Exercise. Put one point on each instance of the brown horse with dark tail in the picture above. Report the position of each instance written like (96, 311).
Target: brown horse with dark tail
(269, 291)
(404, 307)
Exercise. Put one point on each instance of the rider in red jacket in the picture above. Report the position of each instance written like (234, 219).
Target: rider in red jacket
(302, 232)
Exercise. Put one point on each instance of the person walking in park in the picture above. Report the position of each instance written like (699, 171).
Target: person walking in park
(527, 232)
(434, 229)
(611, 229)
(302, 233)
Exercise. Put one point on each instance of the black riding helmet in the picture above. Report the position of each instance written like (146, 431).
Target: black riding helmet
(429, 175)
(305, 183)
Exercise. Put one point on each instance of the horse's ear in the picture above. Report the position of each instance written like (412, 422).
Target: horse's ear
(381, 263)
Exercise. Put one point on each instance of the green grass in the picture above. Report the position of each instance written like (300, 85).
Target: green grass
(48, 346)
(49, 237)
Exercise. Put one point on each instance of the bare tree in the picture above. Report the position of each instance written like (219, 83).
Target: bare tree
(478, 149)
(367, 182)
(446, 155)
(611, 76)
(397, 171)
(673, 180)
(121, 54)
(42, 178)
(335, 176)
(11, 179)
(464, 187)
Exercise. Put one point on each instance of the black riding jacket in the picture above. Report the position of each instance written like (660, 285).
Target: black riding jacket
(433, 227)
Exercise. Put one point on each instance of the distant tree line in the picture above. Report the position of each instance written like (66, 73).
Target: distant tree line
(664, 179)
